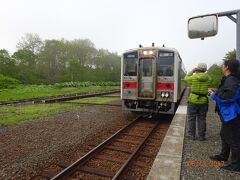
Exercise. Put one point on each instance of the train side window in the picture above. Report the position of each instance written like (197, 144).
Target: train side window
(130, 67)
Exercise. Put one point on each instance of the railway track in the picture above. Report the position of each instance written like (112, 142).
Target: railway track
(58, 98)
(94, 104)
(129, 153)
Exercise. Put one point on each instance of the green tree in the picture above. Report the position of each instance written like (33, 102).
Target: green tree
(83, 51)
(230, 55)
(215, 72)
(31, 42)
(52, 60)
(73, 72)
(7, 64)
(25, 57)
(107, 66)
(26, 63)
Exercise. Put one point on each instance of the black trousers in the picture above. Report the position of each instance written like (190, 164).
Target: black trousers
(197, 113)
(230, 136)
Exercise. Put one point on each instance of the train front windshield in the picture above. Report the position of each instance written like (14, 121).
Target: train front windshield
(130, 64)
(165, 64)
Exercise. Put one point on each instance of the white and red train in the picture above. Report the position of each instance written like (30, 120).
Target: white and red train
(151, 79)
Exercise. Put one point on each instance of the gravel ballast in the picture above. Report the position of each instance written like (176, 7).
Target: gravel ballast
(198, 152)
(27, 148)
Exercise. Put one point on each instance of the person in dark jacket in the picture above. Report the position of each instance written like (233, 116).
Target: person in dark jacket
(197, 101)
(229, 115)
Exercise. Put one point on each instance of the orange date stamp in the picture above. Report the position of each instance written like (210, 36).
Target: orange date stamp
(204, 164)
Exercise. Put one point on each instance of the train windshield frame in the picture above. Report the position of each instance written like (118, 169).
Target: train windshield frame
(130, 64)
(165, 63)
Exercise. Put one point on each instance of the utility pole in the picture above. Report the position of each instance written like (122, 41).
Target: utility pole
(238, 36)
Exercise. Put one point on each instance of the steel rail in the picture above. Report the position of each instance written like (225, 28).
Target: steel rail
(134, 154)
(73, 167)
(57, 98)
(100, 104)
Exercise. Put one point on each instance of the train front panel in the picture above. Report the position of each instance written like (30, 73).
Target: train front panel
(150, 80)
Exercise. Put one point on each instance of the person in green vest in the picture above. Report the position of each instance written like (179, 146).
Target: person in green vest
(199, 82)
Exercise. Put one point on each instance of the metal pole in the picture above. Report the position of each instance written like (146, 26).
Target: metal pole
(237, 21)
(228, 13)
(238, 36)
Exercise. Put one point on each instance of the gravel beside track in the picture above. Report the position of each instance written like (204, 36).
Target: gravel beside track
(199, 152)
(111, 160)
(28, 148)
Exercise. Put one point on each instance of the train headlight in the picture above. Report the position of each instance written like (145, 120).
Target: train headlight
(148, 52)
(166, 94)
(162, 94)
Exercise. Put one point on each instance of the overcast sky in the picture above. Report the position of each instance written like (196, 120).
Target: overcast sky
(118, 25)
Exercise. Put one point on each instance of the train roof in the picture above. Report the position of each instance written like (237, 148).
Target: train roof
(155, 47)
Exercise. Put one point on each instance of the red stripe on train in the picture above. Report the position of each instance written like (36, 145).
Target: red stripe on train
(167, 85)
(129, 85)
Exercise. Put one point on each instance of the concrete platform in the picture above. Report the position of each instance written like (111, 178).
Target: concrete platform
(167, 165)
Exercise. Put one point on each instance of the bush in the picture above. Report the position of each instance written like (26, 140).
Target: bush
(85, 84)
(8, 82)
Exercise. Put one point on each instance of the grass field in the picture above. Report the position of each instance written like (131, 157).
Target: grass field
(36, 91)
(10, 115)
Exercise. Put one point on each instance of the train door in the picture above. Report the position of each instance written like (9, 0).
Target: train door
(146, 77)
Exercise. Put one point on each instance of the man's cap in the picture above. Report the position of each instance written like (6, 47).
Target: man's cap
(202, 67)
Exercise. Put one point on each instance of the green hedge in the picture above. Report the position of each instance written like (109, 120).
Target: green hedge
(8, 82)
(86, 84)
